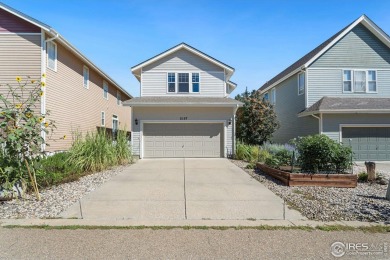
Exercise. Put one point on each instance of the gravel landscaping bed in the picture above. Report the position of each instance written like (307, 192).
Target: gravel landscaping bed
(55, 199)
(366, 202)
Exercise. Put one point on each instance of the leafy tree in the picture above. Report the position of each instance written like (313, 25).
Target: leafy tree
(256, 120)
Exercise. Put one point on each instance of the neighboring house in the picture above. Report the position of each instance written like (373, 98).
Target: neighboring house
(79, 95)
(184, 109)
(340, 89)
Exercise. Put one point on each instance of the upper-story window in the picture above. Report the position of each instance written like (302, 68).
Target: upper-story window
(86, 77)
(118, 98)
(105, 90)
(301, 83)
(183, 82)
(273, 96)
(266, 96)
(51, 48)
(195, 82)
(359, 81)
(171, 82)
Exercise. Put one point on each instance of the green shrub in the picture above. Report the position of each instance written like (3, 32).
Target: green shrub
(54, 170)
(272, 162)
(97, 152)
(248, 153)
(122, 148)
(284, 157)
(320, 153)
(263, 155)
(362, 177)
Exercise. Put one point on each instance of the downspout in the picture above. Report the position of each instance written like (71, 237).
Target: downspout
(43, 79)
(234, 129)
(319, 122)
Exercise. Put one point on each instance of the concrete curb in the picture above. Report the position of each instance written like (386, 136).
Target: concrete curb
(181, 223)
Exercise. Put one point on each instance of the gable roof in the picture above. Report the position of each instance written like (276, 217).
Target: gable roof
(313, 55)
(136, 69)
(49, 30)
(348, 105)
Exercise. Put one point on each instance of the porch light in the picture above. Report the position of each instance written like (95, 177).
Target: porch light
(230, 122)
(136, 121)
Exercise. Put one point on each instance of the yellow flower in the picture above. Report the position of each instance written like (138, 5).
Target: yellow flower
(43, 84)
(46, 124)
(41, 93)
(18, 79)
(40, 119)
(17, 106)
(3, 113)
(32, 81)
(64, 137)
(43, 75)
(28, 114)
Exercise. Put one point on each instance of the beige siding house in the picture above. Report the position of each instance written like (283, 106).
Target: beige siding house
(79, 96)
(184, 109)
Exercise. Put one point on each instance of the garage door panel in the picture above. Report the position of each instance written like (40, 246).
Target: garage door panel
(368, 143)
(183, 140)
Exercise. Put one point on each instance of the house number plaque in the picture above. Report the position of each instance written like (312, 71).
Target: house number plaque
(183, 118)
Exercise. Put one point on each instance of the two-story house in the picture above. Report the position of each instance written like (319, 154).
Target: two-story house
(184, 109)
(340, 89)
(78, 94)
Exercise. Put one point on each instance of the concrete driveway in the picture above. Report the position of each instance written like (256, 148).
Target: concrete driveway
(177, 189)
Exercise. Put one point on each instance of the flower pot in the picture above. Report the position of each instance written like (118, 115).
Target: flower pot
(9, 192)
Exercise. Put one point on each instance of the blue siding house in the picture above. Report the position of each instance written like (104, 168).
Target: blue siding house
(340, 89)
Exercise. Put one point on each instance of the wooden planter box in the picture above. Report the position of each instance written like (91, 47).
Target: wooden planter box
(300, 179)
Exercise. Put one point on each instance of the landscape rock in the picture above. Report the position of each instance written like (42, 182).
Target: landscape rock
(366, 202)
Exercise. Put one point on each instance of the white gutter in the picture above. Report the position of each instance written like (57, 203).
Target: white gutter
(181, 105)
(282, 79)
(319, 123)
(349, 111)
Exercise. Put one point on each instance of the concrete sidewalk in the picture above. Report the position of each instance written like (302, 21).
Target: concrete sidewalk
(182, 189)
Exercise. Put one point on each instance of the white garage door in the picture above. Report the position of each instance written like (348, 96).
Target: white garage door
(177, 140)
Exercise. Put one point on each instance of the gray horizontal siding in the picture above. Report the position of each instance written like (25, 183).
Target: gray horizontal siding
(288, 105)
(331, 122)
(358, 49)
(182, 60)
(154, 83)
(329, 82)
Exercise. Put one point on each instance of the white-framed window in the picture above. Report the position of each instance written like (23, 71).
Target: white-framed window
(86, 77)
(183, 82)
(266, 96)
(51, 49)
(171, 82)
(195, 82)
(115, 123)
(371, 79)
(103, 118)
(301, 83)
(359, 81)
(273, 96)
(347, 81)
(118, 98)
(105, 90)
